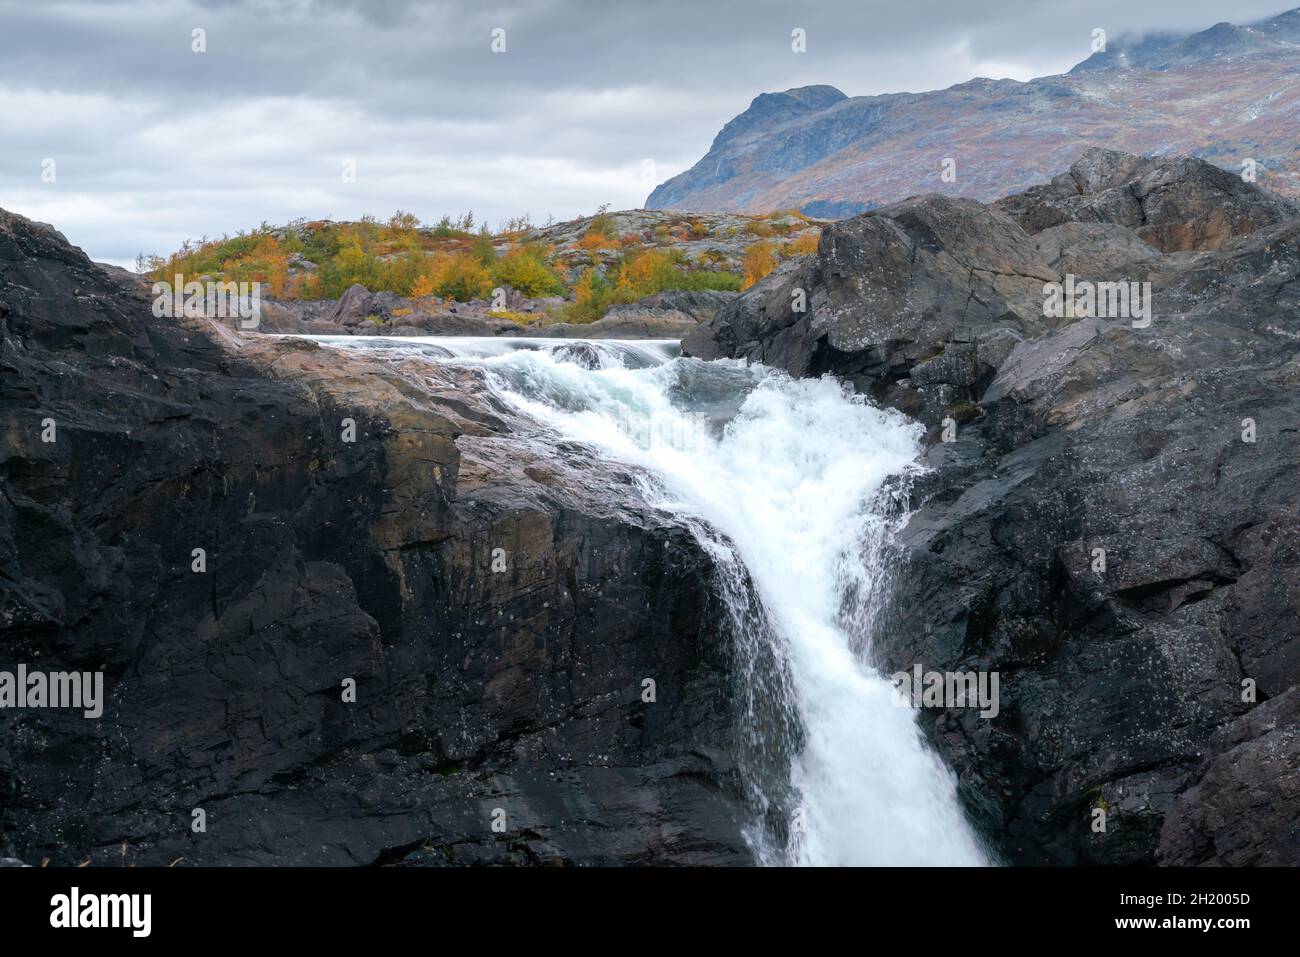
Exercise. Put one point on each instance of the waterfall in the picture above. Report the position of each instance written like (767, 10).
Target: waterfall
(787, 484)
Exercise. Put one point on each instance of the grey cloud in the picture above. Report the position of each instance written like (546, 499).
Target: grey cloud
(155, 143)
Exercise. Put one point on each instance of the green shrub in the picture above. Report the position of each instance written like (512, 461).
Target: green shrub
(525, 270)
(482, 248)
(351, 265)
(592, 295)
(698, 280)
(456, 276)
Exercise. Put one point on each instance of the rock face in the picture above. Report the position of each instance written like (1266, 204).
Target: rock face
(1243, 808)
(1173, 206)
(889, 301)
(1224, 94)
(666, 315)
(1112, 528)
(495, 603)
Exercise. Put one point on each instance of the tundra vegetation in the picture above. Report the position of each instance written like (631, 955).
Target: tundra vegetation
(585, 265)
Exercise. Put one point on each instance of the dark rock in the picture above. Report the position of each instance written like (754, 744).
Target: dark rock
(445, 324)
(929, 278)
(1122, 688)
(700, 305)
(755, 324)
(1096, 251)
(1173, 205)
(329, 560)
(1244, 809)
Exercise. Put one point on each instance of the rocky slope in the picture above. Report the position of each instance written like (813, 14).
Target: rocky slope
(1226, 94)
(496, 602)
(706, 254)
(670, 314)
(1171, 446)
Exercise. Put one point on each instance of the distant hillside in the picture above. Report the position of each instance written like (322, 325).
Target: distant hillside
(1226, 94)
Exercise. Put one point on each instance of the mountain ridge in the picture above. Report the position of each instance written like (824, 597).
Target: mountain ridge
(1226, 94)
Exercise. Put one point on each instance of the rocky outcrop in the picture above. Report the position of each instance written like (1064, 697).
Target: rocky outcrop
(666, 315)
(1244, 809)
(354, 307)
(1111, 526)
(889, 302)
(412, 617)
(1175, 206)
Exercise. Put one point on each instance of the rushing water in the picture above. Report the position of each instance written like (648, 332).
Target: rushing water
(786, 483)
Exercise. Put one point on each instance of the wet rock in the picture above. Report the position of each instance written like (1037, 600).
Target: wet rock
(1244, 809)
(888, 291)
(496, 600)
(1111, 529)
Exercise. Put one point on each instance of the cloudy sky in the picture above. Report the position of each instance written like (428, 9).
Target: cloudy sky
(154, 143)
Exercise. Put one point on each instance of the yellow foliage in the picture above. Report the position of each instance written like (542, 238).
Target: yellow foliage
(454, 275)
(266, 263)
(805, 243)
(643, 274)
(759, 260)
(423, 286)
(521, 318)
(592, 240)
(525, 269)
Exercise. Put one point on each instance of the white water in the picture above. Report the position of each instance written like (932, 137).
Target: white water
(607, 352)
(792, 475)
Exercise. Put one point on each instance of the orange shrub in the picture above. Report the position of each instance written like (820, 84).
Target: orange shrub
(266, 263)
(805, 243)
(643, 274)
(457, 275)
(759, 260)
(592, 240)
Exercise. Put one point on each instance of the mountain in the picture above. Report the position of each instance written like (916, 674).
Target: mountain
(1226, 94)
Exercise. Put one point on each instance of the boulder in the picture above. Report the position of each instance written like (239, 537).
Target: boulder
(929, 278)
(354, 306)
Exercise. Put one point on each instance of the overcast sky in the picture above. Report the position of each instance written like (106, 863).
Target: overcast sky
(153, 143)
